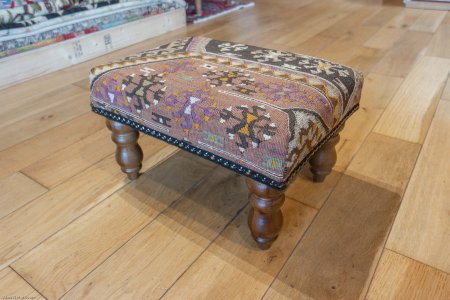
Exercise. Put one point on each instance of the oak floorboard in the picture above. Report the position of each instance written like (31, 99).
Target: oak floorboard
(446, 92)
(264, 28)
(399, 60)
(31, 224)
(384, 161)
(353, 135)
(365, 59)
(401, 278)
(377, 92)
(38, 86)
(409, 114)
(233, 260)
(61, 165)
(440, 43)
(265, 39)
(41, 121)
(348, 24)
(446, 20)
(304, 15)
(384, 15)
(16, 191)
(385, 38)
(60, 262)
(422, 226)
(428, 21)
(316, 22)
(405, 19)
(313, 194)
(337, 255)
(314, 45)
(18, 110)
(348, 49)
(44, 144)
(151, 262)
(83, 83)
(12, 286)
(345, 39)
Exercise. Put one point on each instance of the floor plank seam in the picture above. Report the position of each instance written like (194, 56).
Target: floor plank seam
(92, 165)
(301, 238)
(29, 177)
(34, 288)
(68, 178)
(371, 129)
(404, 191)
(417, 261)
(363, 141)
(302, 203)
(193, 187)
(32, 200)
(379, 117)
(446, 81)
(240, 210)
(29, 138)
(51, 235)
(377, 262)
(395, 218)
(74, 175)
(396, 138)
(369, 71)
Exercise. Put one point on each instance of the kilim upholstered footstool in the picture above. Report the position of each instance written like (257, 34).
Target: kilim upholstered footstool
(259, 112)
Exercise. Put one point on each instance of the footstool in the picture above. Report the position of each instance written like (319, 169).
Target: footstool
(262, 113)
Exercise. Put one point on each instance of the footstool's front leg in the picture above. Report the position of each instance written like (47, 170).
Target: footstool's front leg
(265, 218)
(323, 161)
(128, 153)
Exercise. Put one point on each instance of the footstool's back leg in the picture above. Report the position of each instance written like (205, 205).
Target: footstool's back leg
(265, 218)
(323, 161)
(128, 153)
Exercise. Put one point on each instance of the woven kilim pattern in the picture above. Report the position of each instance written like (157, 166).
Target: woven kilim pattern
(257, 111)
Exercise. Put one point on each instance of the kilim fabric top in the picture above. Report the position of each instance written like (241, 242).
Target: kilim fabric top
(259, 112)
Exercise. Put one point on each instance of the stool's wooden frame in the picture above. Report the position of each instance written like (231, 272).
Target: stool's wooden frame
(265, 218)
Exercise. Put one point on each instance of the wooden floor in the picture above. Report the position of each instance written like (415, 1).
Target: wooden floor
(72, 226)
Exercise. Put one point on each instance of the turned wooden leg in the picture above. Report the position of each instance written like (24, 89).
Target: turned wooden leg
(322, 162)
(128, 153)
(265, 218)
